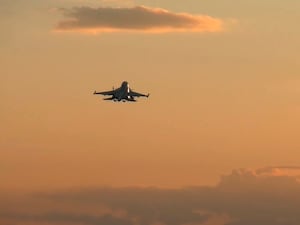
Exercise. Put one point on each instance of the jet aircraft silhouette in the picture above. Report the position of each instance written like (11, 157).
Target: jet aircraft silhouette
(123, 93)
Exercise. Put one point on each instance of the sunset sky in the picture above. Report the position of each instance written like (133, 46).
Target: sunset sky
(224, 84)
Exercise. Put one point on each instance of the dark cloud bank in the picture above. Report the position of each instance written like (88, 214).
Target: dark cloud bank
(140, 18)
(268, 196)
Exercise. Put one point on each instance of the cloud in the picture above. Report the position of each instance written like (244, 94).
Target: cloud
(135, 19)
(279, 171)
(62, 218)
(244, 197)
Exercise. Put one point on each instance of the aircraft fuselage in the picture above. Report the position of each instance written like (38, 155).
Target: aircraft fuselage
(123, 92)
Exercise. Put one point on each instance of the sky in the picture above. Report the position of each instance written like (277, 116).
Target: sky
(222, 116)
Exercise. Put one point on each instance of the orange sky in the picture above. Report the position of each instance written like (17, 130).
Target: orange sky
(219, 100)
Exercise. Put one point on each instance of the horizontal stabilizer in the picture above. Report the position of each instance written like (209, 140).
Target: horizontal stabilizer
(111, 98)
(131, 100)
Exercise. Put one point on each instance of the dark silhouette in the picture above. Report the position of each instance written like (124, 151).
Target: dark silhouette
(123, 93)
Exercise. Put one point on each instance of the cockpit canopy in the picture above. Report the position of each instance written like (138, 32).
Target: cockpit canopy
(124, 84)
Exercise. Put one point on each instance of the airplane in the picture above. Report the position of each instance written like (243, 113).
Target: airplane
(123, 93)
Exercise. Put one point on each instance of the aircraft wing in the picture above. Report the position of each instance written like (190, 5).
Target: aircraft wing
(136, 94)
(105, 93)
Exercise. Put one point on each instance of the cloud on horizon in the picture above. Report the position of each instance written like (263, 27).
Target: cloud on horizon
(244, 197)
(135, 19)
